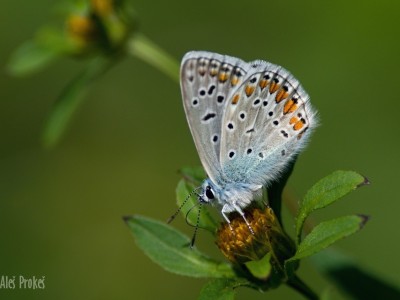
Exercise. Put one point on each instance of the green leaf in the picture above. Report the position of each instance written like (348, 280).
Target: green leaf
(327, 233)
(260, 269)
(222, 288)
(353, 278)
(171, 250)
(205, 220)
(327, 293)
(30, 57)
(218, 289)
(325, 192)
(194, 175)
(70, 99)
(35, 54)
(143, 48)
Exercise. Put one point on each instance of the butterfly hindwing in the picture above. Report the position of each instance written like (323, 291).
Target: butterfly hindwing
(265, 124)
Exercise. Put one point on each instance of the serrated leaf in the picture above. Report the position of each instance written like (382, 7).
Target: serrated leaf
(221, 289)
(30, 57)
(260, 269)
(69, 100)
(327, 233)
(171, 250)
(205, 220)
(326, 191)
(353, 278)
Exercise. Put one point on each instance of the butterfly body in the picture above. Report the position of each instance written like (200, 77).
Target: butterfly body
(230, 196)
(248, 121)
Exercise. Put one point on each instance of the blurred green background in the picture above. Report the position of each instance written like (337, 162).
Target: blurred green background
(60, 210)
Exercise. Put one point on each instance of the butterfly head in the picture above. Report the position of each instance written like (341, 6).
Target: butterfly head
(208, 192)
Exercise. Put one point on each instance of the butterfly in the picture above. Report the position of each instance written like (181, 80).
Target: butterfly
(248, 122)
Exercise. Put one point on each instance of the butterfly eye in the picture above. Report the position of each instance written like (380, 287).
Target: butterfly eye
(209, 193)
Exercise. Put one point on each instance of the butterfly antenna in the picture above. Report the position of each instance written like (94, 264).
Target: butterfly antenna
(187, 215)
(171, 218)
(197, 225)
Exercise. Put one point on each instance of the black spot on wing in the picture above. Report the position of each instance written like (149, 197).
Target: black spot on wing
(211, 90)
(209, 116)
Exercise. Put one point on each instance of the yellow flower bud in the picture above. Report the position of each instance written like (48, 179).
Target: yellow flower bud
(102, 8)
(81, 29)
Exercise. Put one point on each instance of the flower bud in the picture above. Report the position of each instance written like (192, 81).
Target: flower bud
(100, 26)
(81, 29)
(102, 8)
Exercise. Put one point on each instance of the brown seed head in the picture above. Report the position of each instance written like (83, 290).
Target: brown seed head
(239, 245)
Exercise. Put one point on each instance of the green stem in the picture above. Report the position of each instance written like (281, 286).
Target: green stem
(141, 47)
(297, 284)
(276, 189)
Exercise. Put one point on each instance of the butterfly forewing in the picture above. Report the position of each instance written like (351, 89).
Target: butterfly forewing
(207, 81)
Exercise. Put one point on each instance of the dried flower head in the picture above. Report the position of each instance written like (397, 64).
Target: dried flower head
(239, 245)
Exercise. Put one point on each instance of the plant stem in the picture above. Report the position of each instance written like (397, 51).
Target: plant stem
(297, 284)
(143, 48)
(276, 190)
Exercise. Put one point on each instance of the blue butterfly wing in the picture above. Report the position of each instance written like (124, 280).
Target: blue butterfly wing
(267, 121)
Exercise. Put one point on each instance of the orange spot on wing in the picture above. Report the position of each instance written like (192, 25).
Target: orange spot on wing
(249, 90)
(263, 83)
(299, 124)
(287, 106)
(213, 72)
(290, 106)
(234, 81)
(235, 99)
(281, 95)
(273, 87)
(223, 77)
(293, 120)
(293, 108)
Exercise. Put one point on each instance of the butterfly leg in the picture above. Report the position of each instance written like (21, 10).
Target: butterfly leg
(239, 210)
(224, 212)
